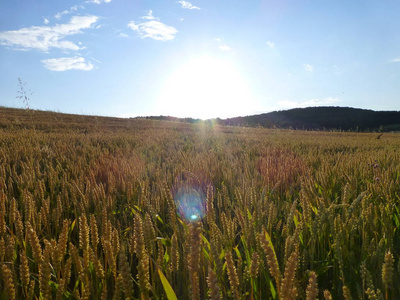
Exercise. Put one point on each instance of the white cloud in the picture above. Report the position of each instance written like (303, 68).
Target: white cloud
(67, 63)
(66, 12)
(271, 44)
(396, 60)
(46, 21)
(187, 5)
(45, 37)
(308, 103)
(308, 67)
(59, 15)
(153, 28)
(149, 16)
(224, 48)
(123, 35)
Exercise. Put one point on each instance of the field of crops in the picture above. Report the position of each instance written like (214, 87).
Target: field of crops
(96, 208)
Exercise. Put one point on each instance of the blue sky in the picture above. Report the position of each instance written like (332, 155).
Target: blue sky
(201, 59)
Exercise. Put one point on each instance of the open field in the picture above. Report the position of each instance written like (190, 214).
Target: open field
(108, 208)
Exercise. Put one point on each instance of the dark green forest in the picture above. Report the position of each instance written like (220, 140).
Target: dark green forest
(324, 118)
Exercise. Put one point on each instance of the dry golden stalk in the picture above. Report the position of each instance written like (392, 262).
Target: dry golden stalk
(174, 255)
(312, 288)
(387, 269)
(126, 275)
(171, 208)
(149, 233)
(9, 287)
(115, 242)
(58, 211)
(2, 249)
(13, 210)
(210, 205)
(347, 293)
(34, 241)
(98, 267)
(141, 253)
(83, 233)
(25, 274)
(19, 227)
(67, 271)
(118, 288)
(216, 247)
(232, 275)
(94, 233)
(271, 216)
(73, 252)
(255, 263)
(111, 258)
(288, 288)
(194, 259)
(60, 290)
(60, 249)
(214, 292)
(63, 282)
(293, 209)
(104, 292)
(160, 253)
(327, 295)
(45, 273)
(272, 261)
(3, 199)
(85, 289)
(371, 294)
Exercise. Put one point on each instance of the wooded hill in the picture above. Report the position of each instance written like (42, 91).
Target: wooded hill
(324, 118)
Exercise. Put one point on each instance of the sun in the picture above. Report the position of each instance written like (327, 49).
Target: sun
(205, 87)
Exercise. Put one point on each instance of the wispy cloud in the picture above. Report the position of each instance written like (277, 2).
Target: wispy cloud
(187, 5)
(149, 16)
(337, 70)
(308, 103)
(153, 28)
(396, 60)
(308, 67)
(60, 14)
(46, 21)
(271, 44)
(123, 35)
(224, 48)
(45, 37)
(67, 63)
(98, 1)
(67, 12)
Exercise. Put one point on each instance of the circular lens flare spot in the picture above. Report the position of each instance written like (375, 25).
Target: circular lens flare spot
(190, 205)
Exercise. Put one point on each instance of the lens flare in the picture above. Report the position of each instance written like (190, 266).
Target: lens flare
(190, 204)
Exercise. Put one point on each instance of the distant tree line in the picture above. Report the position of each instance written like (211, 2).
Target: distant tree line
(323, 118)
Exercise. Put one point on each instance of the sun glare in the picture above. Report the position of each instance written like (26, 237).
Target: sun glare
(205, 87)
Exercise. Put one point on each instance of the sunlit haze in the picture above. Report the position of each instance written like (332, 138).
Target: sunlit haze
(200, 59)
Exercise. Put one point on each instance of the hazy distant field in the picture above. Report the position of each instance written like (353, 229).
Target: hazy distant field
(96, 208)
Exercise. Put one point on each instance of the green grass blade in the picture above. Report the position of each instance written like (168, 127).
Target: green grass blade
(167, 287)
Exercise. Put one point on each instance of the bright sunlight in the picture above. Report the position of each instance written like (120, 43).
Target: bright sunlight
(206, 87)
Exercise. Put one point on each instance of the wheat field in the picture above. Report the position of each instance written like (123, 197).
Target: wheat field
(96, 208)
